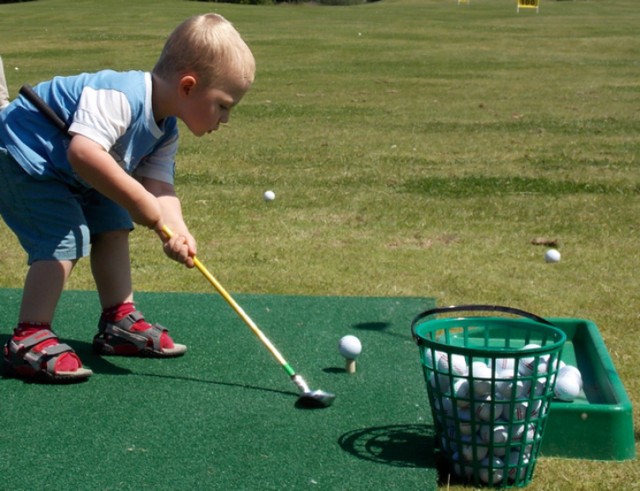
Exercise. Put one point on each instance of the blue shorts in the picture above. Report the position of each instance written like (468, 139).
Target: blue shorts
(52, 220)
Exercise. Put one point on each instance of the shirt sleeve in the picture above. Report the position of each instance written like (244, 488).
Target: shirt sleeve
(160, 164)
(102, 116)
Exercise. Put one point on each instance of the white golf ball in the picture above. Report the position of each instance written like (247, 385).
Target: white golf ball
(350, 347)
(502, 364)
(520, 431)
(568, 384)
(481, 379)
(499, 433)
(269, 195)
(486, 410)
(523, 409)
(552, 256)
(463, 422)
(468, 452)
(508, 387)
(518, 466)
(461, 392)
(528, 364)
(492, 471)
(456, 366)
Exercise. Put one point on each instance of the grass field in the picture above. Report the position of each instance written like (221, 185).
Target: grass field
(416, 148)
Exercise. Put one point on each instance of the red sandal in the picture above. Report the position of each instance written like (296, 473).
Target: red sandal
(118, 338)
(27, 358)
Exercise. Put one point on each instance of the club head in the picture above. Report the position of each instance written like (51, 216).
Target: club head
(316, 399)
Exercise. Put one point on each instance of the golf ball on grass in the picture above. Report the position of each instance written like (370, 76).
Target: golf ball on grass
(350, 348)
(552, 256)
(269, 195)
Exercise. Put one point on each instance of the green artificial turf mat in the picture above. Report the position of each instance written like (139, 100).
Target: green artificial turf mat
(224, 415)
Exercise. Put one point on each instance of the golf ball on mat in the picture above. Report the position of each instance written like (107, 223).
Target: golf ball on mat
(552, 256)
(350, 347)
(269, 195)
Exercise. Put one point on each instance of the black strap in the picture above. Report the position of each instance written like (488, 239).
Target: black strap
(30, 94)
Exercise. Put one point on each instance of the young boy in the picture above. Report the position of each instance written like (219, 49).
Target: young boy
(66, 197)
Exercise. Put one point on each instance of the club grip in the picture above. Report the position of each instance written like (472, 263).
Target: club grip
(30, 94)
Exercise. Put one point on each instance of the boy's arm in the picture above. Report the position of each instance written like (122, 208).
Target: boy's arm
(182, 246)
(95, 166)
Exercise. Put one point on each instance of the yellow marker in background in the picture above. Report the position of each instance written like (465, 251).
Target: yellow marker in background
(528, 4)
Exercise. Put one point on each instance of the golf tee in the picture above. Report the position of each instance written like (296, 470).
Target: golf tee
(350, 366)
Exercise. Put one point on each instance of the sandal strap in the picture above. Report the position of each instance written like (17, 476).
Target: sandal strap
(122, 329)
(35, 358)
(34, 339)
(129, 320)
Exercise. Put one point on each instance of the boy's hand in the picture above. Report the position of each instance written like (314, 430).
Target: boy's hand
(180, 248)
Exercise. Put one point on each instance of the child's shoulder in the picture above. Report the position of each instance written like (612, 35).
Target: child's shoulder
(115, 78)
(134, 84)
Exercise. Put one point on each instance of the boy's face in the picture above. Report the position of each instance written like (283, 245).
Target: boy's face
(205, 108)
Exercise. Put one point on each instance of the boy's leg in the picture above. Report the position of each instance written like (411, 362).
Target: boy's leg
(4, 90)
(38, 213)
(111, 267)
(42, 289)
(34, 351)
(122, 329)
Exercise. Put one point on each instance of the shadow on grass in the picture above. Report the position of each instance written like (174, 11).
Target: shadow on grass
(372, 326)
(215, 382)
(409, 445)
(380, 327)
(103, 365)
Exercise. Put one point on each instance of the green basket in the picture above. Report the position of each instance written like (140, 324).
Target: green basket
(490, 382)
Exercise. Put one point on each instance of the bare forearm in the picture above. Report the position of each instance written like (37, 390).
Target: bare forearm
(183, 245)
(96, 167)
(169, 203)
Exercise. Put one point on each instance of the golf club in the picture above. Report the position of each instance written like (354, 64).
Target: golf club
(308, 398)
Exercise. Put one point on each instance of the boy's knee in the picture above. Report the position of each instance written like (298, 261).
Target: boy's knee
(111, 236)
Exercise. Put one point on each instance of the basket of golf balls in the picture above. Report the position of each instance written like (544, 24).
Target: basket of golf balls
(490, 379)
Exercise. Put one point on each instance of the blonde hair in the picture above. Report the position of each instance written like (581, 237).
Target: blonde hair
(209, 46)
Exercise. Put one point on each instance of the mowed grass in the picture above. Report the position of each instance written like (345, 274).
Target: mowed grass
(416, 147)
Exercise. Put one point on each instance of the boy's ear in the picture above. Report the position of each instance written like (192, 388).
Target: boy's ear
(187, 84)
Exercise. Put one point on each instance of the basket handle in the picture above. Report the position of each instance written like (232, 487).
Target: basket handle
(476, 308)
